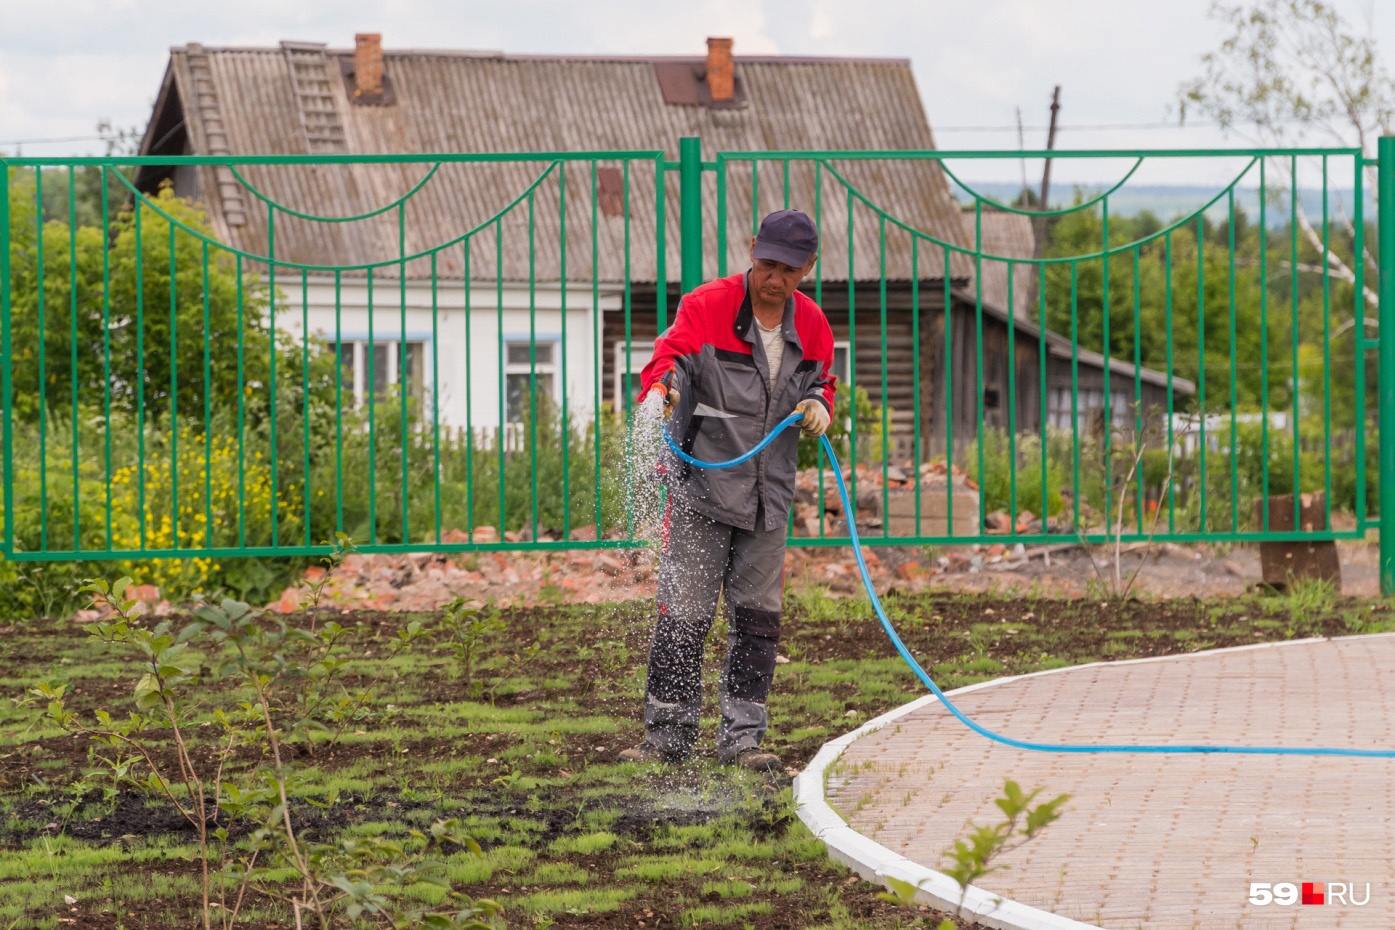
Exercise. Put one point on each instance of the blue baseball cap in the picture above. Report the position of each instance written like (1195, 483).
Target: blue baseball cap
(787, 236)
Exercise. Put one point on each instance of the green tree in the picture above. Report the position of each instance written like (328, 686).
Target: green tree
(1291, 70)
(1155, 271)
(148, 316)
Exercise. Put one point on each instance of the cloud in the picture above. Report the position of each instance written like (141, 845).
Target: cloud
(67, 63)
(90, 87)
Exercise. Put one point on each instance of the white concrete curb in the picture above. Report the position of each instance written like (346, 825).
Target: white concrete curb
(876, 863)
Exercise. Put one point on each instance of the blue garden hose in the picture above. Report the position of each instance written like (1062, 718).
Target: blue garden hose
(935, 689)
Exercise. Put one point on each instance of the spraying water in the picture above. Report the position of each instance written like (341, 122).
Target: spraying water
(638, 480)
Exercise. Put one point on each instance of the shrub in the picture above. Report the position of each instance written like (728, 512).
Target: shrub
(995, 482)
(1236, 478)
(129, 310)
(60, 508)
(224, 501)
(869, 430)
(370, 467)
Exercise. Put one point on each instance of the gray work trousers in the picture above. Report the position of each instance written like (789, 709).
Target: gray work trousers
(702, 557)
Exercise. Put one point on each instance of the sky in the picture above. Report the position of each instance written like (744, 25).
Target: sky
(66, 64)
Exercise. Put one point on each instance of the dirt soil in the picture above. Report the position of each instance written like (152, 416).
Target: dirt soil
(1064, 570)
(429, 581)
(1075, 629)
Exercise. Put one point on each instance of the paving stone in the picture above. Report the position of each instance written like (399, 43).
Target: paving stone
(1166, 840)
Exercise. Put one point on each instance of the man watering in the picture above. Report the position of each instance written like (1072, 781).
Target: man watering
(743, 353)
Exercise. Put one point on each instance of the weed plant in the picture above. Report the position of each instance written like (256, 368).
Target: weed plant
(280, 683)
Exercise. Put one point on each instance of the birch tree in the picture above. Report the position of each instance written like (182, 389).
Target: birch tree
(1296, 71)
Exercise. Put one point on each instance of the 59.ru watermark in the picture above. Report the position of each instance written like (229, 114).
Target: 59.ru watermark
(1288, 893)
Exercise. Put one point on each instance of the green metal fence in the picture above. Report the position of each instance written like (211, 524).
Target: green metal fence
(451, 367)
(1249, 329)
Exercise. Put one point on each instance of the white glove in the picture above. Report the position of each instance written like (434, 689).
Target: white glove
(670, 397)
(815, 420)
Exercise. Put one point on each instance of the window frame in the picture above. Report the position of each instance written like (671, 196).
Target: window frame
(619, 392)
(535, 367)
(356, 382)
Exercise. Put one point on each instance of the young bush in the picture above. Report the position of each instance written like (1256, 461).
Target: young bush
(869, 430)
(64, 501)
(129, 313)
(551, 472)
(222, 502)
(995, 481)
(282, 686)
(1235, 477)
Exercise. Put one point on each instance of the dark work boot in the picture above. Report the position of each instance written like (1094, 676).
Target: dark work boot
(742, 727)
(648, 754)
(670, 728)
(757, 760)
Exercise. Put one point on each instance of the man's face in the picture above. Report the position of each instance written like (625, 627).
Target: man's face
(773, 282)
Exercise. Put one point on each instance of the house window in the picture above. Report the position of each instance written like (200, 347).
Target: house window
(627, 380)
(841, 354)
(392, 361)
(1089, 409)
(528, 364)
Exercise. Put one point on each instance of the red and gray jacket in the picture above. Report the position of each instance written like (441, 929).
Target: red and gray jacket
(713, 355)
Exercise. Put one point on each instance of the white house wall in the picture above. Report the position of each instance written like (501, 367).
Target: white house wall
(469, 382)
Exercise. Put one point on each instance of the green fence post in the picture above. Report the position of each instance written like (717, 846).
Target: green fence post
(5, 354)
(690, 212)
(1385, 213)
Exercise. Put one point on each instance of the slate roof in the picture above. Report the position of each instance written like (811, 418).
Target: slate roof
(296, 99)
(1005, 235)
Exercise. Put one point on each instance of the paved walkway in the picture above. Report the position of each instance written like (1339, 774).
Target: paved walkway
(1159, 840)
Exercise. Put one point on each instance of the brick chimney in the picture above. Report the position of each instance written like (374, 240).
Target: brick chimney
(368, 64)
(721, 71)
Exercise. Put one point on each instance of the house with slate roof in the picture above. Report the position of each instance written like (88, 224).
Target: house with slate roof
(478, 279)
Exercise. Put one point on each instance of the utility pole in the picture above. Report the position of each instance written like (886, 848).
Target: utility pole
(1022, 147)
(1046, 173)
(1039, 225)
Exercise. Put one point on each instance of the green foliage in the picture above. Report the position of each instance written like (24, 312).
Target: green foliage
(281, 684)
(167, 670)
(343, 547)
(999, 466)
(1293, 61)
(39, 590)
(149, 340)
(1199, 286)
(553, 466)
(902, 892)
(712, 832)
(1237, 476)
(62, 493)
(869, 430)
(1167, 295)
(1260, 461)
(473, 633)
(145, 319)
(469, 629)
(587, 844)
(1309, 599)
(378, 880)
(975, 857)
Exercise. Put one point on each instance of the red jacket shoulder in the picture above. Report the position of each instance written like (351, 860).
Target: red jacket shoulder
(719, 289)
(810, 322)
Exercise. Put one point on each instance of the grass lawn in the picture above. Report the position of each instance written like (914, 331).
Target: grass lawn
(426, 770)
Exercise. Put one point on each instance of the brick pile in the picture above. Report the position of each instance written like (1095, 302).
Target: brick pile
(426, 581)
